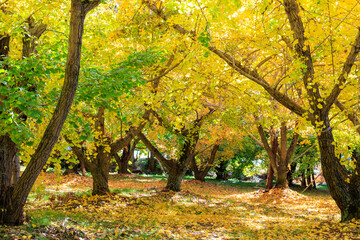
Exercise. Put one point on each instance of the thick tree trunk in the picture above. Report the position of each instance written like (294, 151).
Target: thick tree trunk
(9, 173)
(343, 188)
(100, 181)
(13, 214)
(175, 178)
(200, 175)
(281, 179)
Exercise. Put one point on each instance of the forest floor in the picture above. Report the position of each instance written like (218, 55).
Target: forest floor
(61, 207)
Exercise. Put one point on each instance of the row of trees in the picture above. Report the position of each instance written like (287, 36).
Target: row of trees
(188, 79)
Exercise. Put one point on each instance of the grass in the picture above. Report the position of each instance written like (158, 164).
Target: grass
(139, 209)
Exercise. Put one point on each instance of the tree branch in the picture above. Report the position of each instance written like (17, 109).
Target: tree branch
(167, 163)
(355, 49)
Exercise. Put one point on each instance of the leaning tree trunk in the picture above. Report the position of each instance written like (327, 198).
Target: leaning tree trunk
(14, 211)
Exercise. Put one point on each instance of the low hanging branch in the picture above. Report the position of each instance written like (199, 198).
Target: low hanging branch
(302, 154)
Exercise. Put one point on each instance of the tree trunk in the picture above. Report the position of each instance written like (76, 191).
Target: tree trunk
(123, 161)
(303, 180)
(281, 179)
(201, 171)
(13, 214)
(308, 180)
(313, 180)
(221, 173)
(8, 169)
(83, 169)
(175, 178)
(269, 179)
(100, 181)
(290, 174)
(344, 189)
(200, 175)
(151, 163)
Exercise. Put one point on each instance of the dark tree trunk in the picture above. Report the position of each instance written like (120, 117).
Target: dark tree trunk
(345, 193)
(313, 181)
(100, 180)
(123, 161)
(151, 163)
(179, 168)
(290, 174)
(303, 180)
(221, 173)
(175, 178)
(8, 169)
(200, 175)
(100, 165)
(269, 179)
(4, 48)
(281, 180)
(83, 169)
(308, 180)
(13, 213)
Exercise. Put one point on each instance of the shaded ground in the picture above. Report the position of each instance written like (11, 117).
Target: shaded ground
(62, 208)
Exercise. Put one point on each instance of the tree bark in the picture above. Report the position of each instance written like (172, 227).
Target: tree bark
(343, 188)
(14, 211)
(269, 179)
(175, 178)
(221, 173)
(33, 32)
(8, 179)
(100, 176)
(151, 163)
(279, 156)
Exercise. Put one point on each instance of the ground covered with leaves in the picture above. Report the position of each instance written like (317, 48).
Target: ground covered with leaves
(61, 207)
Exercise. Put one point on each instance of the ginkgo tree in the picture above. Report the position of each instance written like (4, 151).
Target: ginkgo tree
(293, 50)
(14, 196)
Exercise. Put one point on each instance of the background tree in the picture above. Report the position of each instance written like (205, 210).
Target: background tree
(301, 50)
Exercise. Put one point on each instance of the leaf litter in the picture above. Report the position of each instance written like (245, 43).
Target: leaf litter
(64, 209)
